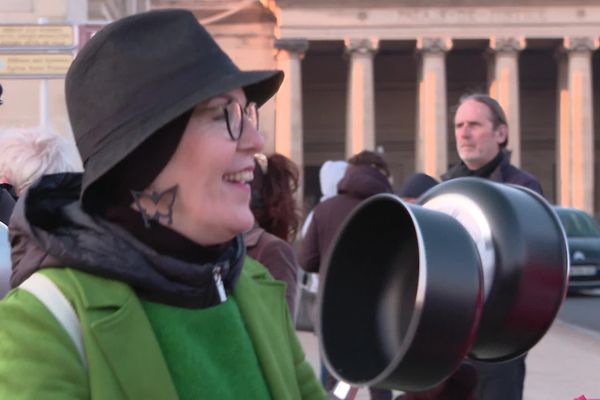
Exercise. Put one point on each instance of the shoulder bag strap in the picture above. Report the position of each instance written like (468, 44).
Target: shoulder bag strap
(49, 294)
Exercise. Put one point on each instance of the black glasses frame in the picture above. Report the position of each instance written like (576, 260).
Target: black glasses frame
(235, 114)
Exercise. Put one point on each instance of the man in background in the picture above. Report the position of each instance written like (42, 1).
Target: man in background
(481, 132)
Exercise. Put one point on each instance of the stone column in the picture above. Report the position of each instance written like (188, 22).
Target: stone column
(360, 111)
(288, 101)
(503, 80)
(563, 134)
(578, 138)
(431, 140)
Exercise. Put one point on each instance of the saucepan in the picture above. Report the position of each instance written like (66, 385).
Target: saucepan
(476, 269)
(524, 255)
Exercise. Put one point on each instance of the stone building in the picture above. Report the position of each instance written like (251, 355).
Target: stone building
(381, 75)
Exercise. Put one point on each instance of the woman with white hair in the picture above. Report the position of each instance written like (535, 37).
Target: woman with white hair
(29, 153)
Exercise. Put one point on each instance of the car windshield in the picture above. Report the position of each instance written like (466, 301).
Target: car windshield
(578, 224)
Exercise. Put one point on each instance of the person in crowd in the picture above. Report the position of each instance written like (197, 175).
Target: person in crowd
(461, 384)
(7, 203)
(276, 220)
(5, 263)
(330, 174)
(481, 132)
(142, 253)
(7, 193)
(367, 174)
(27, 154)
(416, 184)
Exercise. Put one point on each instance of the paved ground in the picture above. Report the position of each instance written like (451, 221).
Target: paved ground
(565, 364)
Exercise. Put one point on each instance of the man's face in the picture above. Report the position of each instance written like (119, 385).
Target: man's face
(477, 141)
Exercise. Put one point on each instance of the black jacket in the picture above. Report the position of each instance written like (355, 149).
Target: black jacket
(359, 183)
(505, 172)
(7, 202)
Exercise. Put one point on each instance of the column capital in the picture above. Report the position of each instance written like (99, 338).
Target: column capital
(292, 45)
(580, 43)
(507, 44)
(433, 44)
(361, 45)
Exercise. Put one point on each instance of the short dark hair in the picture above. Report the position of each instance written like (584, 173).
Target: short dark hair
(497, 115)
(367, 157)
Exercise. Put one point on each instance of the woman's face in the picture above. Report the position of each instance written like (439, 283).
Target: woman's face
(212, 173)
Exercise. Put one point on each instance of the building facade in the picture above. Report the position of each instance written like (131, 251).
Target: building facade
(384, 75)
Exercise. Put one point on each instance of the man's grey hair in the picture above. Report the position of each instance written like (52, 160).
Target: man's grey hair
(28, 153)
(497, 115)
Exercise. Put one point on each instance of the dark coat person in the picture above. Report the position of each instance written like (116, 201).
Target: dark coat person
(481, 132)
(498, 170)
(416, 185)
(27, 154)
(359, 183)
(367, 174)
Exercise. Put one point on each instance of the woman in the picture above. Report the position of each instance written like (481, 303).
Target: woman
(145, 244)
(277, 220)
(28, 153)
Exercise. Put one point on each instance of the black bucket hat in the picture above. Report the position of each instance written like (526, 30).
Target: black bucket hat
(141, 72)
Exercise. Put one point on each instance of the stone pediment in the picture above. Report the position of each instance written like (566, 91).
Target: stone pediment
(427, 3)
(463, 19)
(254, 13)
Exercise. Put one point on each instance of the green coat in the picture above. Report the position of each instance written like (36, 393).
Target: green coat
(39, 361)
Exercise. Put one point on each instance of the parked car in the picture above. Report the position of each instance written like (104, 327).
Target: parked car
(583, 237)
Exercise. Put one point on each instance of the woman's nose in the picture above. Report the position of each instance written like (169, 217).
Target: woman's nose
(251, 139)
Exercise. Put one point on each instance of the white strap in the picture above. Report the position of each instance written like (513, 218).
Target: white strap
(55, 301)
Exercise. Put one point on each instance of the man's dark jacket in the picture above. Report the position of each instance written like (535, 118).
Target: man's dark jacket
(499, 381)
(505, 172)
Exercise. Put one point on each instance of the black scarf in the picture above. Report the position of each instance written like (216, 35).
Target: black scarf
(485, 171)
(158, 263)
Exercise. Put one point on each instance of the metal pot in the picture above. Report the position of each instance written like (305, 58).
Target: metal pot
(408, 291)
(398, 304)
(524, 260)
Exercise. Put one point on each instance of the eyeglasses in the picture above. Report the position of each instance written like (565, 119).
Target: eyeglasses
(234, 117)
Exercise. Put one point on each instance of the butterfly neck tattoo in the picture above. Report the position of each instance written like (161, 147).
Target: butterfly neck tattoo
(156, 206)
